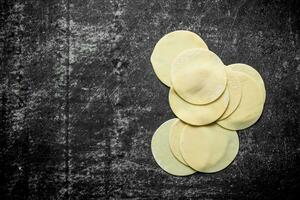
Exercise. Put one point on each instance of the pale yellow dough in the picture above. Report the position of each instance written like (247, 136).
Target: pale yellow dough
(162, 152)
(198, 76)
(251, 72)
(174, 139)
(208, 148)
(250, 107)
(235, 92)
(229, 156)
(168, 47)
(198, 114)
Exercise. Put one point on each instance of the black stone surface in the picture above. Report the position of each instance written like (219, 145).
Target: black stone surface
(80, 100)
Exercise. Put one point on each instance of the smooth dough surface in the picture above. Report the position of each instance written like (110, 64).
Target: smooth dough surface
(174, 139)
(251, 72)
(162, 152)
(250, 107)
(198, 76)
(208, 148)
(168, 47)
(230, 154)
(235, 92)
(198, 114)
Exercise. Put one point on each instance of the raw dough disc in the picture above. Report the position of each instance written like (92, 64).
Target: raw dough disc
(235, 92)
(162, 152)
(230, 154)
(250, 107)
(198, 114)
(174, 139)
(198, 76)
(168, 47)
(251, 72)
(208, 148)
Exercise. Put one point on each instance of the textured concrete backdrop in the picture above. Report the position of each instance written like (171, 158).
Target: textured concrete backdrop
(80, 101)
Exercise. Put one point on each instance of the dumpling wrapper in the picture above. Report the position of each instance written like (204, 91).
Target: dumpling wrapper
(198, 114)
(235, 92)
(198, 76)
(174, 139)
(168, 47)
(230, 154)
(247, 69)
(208, 148)
(250, 107)
(162, 152)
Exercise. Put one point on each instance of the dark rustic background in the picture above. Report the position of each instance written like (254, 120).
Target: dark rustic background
(80, 101)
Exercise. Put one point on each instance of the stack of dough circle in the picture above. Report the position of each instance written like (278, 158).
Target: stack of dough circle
(198, 76)
(181, 149)
(168, 47)
(212, 101)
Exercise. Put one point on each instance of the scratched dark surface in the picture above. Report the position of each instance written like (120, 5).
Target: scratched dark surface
(80, 101)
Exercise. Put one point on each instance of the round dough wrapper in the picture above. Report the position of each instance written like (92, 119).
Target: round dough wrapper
(251, 72)
(174, 139)
(250, 107)
(235, 92)
(205, 148)
(162, 152)
(198, 114)
(198, 76)
(230, 154)
(168, 47)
